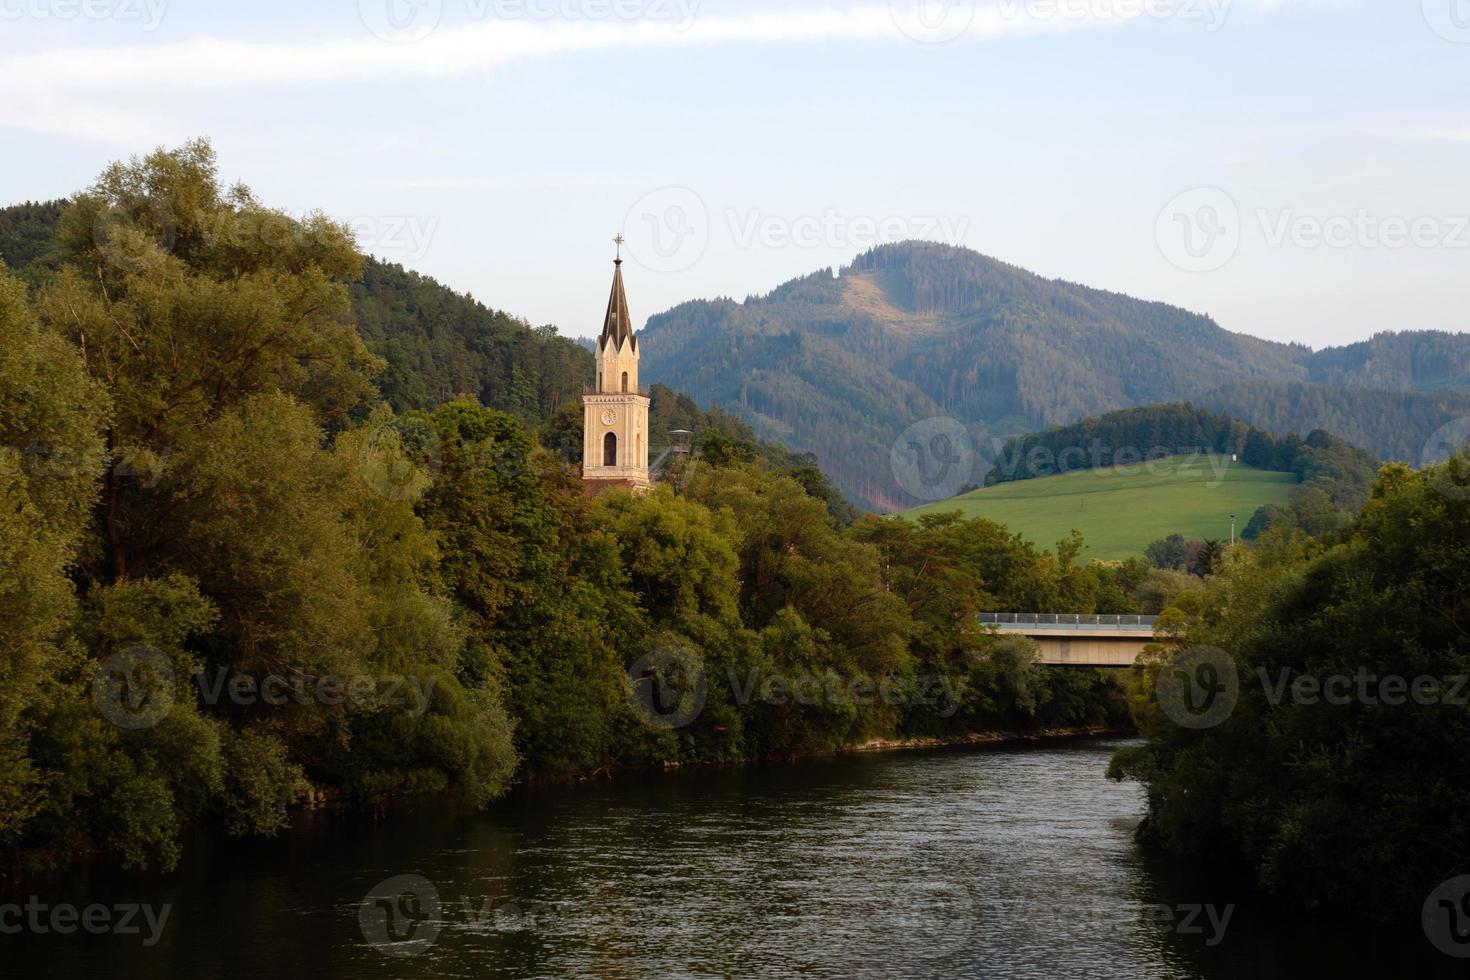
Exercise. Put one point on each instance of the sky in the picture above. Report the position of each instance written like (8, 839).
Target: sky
(1297, 169)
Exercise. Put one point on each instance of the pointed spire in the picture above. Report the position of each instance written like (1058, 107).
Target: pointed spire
(618, 325)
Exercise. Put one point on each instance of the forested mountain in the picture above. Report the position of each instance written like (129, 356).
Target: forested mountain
(1421, 360)
(841, 364)
(1393, 424)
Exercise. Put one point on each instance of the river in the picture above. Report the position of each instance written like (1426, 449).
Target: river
(1008, 861)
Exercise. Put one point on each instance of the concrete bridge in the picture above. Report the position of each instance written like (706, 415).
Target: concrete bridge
(1079, 641)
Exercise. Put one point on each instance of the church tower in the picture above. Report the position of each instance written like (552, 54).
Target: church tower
(615, 411)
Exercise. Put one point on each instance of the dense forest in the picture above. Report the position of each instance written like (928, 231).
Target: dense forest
(435, 344)
(237, 580)
(840, 364)
(1333, 476)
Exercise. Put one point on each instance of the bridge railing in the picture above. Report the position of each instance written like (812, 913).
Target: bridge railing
(1068, 620)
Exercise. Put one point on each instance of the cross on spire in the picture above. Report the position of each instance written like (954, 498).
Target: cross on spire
(618, 325)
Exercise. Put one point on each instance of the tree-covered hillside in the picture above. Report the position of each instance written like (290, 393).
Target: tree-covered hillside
(841, 364)
(437, 344)
(235, 581)
(28, 236)
(1392, 424)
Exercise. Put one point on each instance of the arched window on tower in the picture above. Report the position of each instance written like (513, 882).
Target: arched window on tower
(625, 382)
(610, 450)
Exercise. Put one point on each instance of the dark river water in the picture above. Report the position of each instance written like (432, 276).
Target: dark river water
(999, 862)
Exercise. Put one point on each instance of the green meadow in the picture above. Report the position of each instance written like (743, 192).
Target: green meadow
(1121, 509)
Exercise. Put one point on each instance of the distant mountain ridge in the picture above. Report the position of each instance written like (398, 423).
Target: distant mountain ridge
(841, 364)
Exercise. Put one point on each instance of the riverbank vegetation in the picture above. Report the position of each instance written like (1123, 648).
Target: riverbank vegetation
(1337, 775)
(243, 564)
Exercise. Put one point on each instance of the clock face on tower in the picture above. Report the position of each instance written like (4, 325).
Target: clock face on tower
(609, 416)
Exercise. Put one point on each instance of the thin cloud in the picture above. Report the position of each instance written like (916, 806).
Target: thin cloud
(97, 93)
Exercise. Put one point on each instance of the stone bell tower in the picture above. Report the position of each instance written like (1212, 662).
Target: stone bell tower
(615, 410)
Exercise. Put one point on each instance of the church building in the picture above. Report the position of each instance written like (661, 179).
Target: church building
(615, 410)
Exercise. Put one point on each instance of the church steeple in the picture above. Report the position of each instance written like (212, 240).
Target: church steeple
(617, 326)
(615, 412)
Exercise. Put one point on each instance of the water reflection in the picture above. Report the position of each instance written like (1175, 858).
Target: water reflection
(1008, 862)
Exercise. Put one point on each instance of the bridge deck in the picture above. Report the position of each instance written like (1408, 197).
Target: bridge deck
(1077, 640)
(1069, 621)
